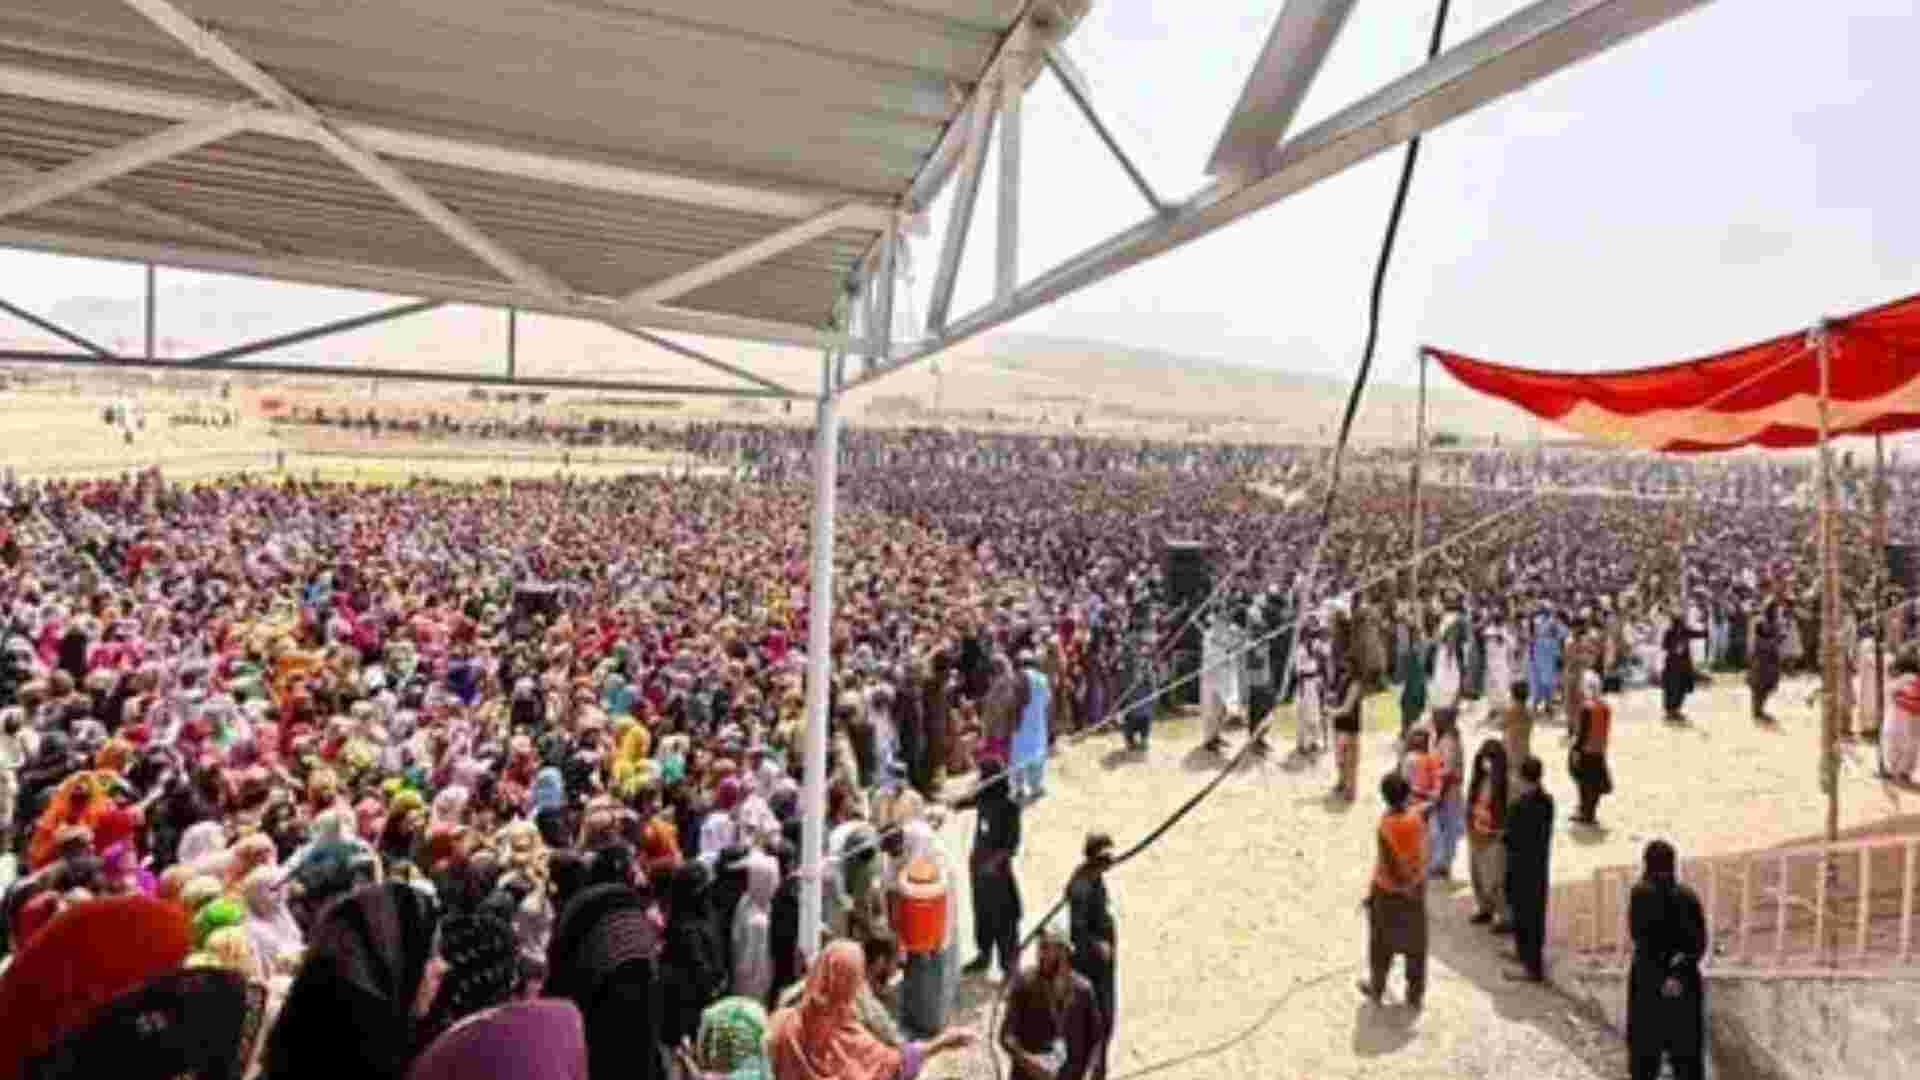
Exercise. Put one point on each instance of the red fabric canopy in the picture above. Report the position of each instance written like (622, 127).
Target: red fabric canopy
(1765, 394)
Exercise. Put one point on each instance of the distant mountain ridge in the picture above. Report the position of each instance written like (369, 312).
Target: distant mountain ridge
(1017, 377)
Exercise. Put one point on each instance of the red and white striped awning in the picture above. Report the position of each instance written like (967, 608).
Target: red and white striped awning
(1765, 394)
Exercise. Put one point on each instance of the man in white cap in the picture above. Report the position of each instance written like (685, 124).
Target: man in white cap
(1053, 1029)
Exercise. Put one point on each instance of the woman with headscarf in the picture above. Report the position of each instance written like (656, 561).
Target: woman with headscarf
(83, 800)
(355, 1006)
(632, 770)
(482, 969)
(89, 954)
(1486, 822)
(550, 807)
(200, 844)
(821, 1039)
(752, 928)
(524, 1040)
(330, 862)
(270, 924)
(1666, 1015)
(732, 1043)
(1900, 727)
(600, 959)
(693, 971)
(202, 1024)
(718, 830)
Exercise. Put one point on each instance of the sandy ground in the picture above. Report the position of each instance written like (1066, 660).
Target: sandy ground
(1240, 934)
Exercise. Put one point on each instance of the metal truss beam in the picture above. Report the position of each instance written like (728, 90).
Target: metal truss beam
(960, 214)
(1296, 48)
(252, 367)
(1075, 84)
(153, 215)
(213, 49)
(882, 290)
(1006, 263)
(1044, 23)
(53, 328)
(313, 333)
(1534, 42)
(408, 283)
(43, 85)
(805, 232)
(713, 362)
(96, 169)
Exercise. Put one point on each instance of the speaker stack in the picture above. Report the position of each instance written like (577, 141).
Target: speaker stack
(1903, 565)
(535, 598)
(1189, 576)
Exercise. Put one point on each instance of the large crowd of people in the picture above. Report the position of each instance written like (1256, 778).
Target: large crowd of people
(783, 450)
(502, 780)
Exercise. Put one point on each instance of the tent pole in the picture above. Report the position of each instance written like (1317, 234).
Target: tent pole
(1878, 712)
(1419, 469)
(813, 791)
(1829, 597)
(1829, 614)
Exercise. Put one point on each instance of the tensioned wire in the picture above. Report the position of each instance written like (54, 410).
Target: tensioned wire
(1375, 301)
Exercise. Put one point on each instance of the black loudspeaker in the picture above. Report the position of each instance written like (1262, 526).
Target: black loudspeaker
(1903, 565)
(1189, 573)
(1189, 577)
(535, 599)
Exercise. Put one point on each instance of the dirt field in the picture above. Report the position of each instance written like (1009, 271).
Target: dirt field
(58, 434)
(1240, 931)
(1240, 934)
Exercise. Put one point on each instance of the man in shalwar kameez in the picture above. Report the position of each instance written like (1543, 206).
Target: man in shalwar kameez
(1543, 659)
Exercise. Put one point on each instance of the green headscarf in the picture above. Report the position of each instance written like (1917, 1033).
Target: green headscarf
(733, 1032)
(215, 915)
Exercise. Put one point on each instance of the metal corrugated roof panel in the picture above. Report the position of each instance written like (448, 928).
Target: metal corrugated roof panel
(294, 198)
(798, 106)
(843, 95)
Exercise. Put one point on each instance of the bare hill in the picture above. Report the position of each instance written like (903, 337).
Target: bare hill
(1007, 380)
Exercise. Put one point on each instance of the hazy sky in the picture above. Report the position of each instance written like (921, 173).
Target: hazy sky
(1736, 173)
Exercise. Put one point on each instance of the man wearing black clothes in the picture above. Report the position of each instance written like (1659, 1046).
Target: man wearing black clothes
(996, 892)
(1260, 675)
(1529, 843)
(974, 663)
(1279, 645)
(1090, 919)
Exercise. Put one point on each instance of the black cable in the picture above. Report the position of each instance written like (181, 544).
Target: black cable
(1374, 304)
(1380, 282)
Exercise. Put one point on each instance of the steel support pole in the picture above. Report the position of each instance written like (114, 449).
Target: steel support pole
(960, 215)
(880, 335)
(1007, 258)
(1829, 603)
(153, 312)
(513, 341)
(1878, 712)
(813, 789)
(1419, 478)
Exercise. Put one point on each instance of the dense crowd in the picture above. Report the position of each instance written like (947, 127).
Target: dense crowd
(340, 781)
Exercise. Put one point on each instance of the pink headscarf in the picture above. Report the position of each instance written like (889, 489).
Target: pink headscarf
(820, 1039)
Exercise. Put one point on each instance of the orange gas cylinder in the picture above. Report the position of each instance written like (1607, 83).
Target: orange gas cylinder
(920, 908)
